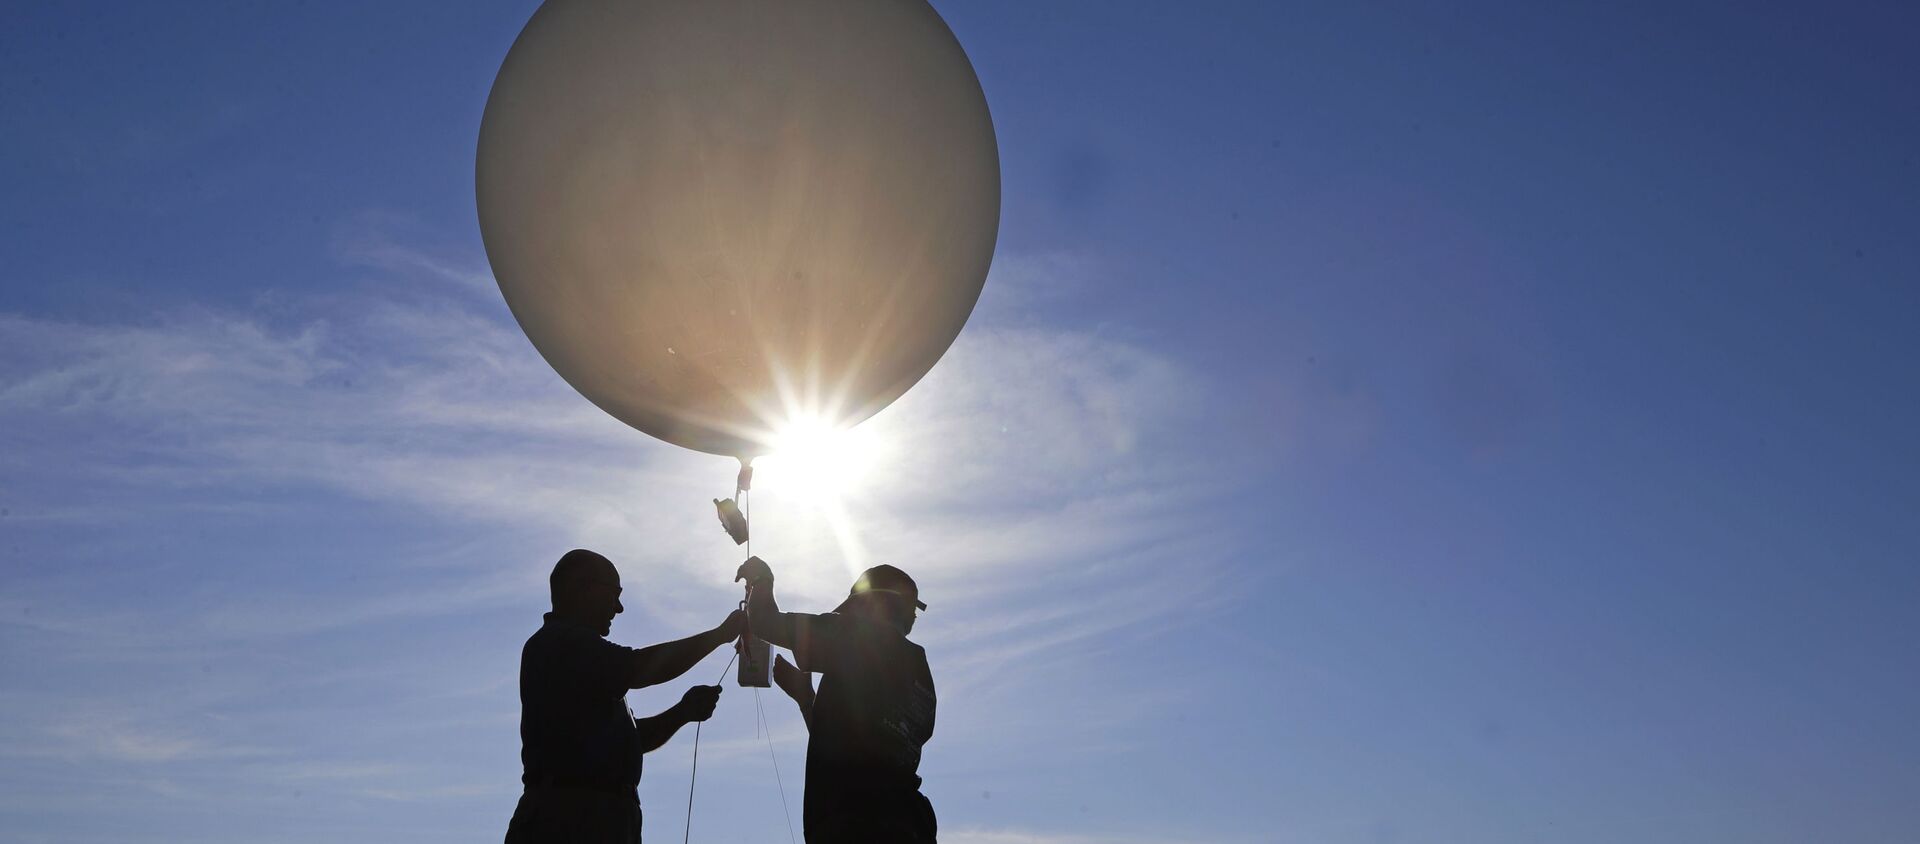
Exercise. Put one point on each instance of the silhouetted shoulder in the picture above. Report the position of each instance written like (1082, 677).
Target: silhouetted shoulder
(562, 655)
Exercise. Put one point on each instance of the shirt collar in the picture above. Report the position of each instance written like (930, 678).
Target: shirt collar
(556, 620)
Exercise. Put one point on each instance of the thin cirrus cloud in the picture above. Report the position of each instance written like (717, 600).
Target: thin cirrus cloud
(1035, 461)
(1027, 441)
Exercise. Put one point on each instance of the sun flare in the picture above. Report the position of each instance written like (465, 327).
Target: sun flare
(812, 459)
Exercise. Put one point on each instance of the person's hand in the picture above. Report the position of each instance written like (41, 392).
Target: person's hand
(755, 572)
(697, 704)
(796, 683)
(735, 625)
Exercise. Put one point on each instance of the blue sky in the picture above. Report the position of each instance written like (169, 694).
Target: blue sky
(1383, 423)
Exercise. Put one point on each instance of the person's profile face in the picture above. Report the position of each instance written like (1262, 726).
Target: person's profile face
(599, 595)
(884, 606)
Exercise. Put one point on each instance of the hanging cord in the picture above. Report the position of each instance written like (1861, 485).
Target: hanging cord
(746, 498)
(746, 508)
(760, 712)
(695, 776)
(768, 732)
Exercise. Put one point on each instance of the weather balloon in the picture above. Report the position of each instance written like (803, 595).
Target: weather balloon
(714, 216)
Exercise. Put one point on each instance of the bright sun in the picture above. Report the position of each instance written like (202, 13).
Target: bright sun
(815, 460)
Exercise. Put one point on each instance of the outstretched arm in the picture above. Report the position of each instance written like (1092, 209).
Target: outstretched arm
(695, 705)
(667, 660)
(763, 613)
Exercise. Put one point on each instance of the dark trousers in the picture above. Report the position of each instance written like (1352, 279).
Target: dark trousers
(866, 817)
(554, 815)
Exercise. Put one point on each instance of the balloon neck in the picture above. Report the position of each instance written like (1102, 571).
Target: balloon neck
(744, 481)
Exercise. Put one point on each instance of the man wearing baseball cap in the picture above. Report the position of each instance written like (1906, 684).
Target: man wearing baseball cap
(873, 712)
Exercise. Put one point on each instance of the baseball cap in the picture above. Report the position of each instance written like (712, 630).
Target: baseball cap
(885, 578)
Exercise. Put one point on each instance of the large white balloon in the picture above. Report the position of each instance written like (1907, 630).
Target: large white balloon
(712, 216)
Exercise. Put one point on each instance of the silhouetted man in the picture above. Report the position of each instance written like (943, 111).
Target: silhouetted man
(872, 714)
(580, 745)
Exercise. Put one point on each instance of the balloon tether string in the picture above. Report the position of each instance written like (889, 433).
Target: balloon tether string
(760, 713)
(739, 645)
(695, 776)
(746, 510)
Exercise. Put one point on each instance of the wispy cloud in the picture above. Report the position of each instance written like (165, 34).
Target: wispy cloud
(393, 243)
(1036, 462)
(1026, 447)
(118, 739)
